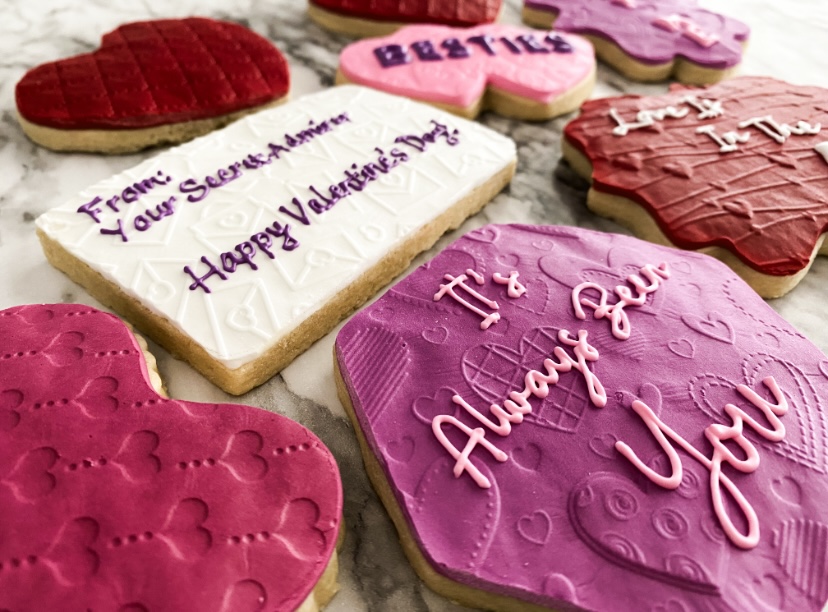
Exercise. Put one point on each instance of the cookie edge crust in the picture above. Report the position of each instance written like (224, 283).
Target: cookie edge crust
(360, 27)
(240, 380)
(680, 69)
(639, 221)
(122, 141)
(504, 103)
(437, 582)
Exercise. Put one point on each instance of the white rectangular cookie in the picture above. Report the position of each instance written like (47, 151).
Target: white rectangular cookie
(238, 250)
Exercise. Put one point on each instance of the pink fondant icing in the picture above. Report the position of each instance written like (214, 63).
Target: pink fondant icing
(461, 81)
(656, 31)
(725, 508)
(114, 498)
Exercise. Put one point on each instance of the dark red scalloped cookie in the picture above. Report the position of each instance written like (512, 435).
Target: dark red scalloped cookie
(151, 74)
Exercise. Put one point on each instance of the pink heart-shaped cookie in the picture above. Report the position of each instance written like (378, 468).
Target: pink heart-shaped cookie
(113, 496)
(512, 70)
(150, 74)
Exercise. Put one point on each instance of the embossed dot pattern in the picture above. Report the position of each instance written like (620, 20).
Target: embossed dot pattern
(566, 511)
(115, 498)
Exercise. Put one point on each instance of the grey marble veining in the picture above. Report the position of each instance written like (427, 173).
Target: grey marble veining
(788, 41)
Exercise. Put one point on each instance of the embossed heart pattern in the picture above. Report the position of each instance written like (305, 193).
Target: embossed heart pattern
(156, 72)
(471, 69)
(115, 498)
(509, 455)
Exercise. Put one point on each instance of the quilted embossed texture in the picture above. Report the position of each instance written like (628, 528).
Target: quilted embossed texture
(154, 73)
(114, 498)
(447, 12)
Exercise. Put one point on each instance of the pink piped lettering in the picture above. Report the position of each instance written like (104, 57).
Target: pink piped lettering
(718, 434)
(460, 282)
(615, 312)
(513, 287)
(536, 384)
(476, 436)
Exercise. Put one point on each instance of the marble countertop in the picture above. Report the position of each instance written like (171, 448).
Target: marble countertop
(788, 41)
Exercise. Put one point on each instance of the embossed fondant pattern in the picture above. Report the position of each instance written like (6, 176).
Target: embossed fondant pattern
(567, 520)
(151, 73)
(640, 31)
(289, 206)
(113, 497)
(763, 199)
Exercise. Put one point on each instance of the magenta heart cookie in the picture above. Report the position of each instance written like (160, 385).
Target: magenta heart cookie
(650, 40)
(633, 442)
(149, 82)
(116, 498)
(511, 70)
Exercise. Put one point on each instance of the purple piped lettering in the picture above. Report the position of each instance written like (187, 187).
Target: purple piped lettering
(532, 44)
(559, 45)
(510, 45)
(230, 261)
(164, 209)
(141, 223)
(199, 280)
(191, 186)
(276, 150)
(302, 216)
(110, 203)
(283, 231)
(425, 51)
(455, 48)
(484, 41)
(91, 209)
(392, 55)
(117, 231)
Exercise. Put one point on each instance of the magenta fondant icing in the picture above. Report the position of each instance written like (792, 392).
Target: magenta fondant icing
(114, 498)
(666, 449)
(654, 31)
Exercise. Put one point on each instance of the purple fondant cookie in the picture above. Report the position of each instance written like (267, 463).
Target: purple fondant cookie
(560, 418)
(650, 40)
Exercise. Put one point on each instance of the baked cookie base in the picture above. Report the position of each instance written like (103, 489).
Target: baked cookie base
(460, 593)
(637, 219)
(242, 379)
(120, 141)
(351, 26)
(611, 54)
(508, 104)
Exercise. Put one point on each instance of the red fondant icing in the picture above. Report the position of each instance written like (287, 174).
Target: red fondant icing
(448, 12)
(153, 73)
(766, 201)
(115, 498)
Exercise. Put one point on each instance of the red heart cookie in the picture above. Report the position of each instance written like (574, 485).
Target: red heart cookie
(380, 17)
(148, 76)
(116, 498)
(737, 170)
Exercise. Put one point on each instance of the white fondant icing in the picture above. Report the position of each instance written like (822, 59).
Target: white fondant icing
(253, 309)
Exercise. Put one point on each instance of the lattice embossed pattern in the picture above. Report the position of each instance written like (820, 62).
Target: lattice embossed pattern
(155, 72)
(115, 498)
(447, 12)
